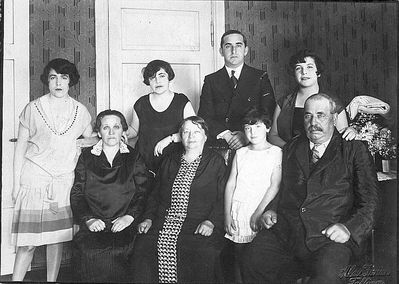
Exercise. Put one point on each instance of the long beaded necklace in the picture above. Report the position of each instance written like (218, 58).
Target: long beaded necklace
(51, 128)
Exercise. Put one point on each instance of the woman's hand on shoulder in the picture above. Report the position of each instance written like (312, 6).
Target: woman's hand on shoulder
(205, 228)
(120, 223)
(95, 225)
(349, 133)
(144, 226)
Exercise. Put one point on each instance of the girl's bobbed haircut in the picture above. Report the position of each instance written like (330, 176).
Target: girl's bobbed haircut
(300, 56)
(104, 113)
(61, 66)
(256, 114)
(153, 67)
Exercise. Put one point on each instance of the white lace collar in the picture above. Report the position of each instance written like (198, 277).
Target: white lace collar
(98, 148)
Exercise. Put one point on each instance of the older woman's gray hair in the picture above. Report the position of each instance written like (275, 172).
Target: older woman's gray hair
(199, 121)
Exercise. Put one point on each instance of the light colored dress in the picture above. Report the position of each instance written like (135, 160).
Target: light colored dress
(42, 213)
(254, 171)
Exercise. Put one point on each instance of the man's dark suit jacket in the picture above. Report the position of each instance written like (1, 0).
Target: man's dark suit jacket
(223, 107)
(341, 188)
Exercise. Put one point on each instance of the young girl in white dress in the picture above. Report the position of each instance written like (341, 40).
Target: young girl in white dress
(253, 182)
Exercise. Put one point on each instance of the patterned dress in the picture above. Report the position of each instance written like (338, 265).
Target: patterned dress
(185, 195)
(42, 213)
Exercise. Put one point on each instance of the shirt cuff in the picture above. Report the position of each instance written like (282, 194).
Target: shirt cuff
(220, 135)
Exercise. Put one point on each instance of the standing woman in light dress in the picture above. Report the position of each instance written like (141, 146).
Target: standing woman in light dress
(156, 116)
(45, 157)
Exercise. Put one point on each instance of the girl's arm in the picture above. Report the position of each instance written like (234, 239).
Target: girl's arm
(274, 138)
(228, 197)
(188, 110)
(19, 157)
(269, 195)
(133, 129)
(175, 137)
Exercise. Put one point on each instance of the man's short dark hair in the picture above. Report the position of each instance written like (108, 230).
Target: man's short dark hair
(230, 32)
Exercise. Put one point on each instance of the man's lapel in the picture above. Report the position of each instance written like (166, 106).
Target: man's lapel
(224, 82)
(302, 155)
(329, 154)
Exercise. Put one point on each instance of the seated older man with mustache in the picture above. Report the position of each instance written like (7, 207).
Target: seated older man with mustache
(325, 207)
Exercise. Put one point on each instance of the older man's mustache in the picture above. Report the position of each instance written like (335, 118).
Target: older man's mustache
(314, 128)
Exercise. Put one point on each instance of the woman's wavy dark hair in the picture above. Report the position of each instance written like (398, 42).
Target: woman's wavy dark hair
(104, 113)
(300, 56)
(61, 66)
(153, 67)
(255, 114)
(199, 121)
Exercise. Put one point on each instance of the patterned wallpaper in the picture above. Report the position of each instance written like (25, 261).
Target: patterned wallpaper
(63, 28)
(356, 41)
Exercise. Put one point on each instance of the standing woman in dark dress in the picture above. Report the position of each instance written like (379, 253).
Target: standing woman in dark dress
(307, 68)
(108, 195)
(156, 116)
(182, 233)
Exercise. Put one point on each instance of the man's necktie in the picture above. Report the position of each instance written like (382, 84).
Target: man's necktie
(233, 79)
(315, 154)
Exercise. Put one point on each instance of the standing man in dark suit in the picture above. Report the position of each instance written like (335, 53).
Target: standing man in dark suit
(228, 93)
(325, 207)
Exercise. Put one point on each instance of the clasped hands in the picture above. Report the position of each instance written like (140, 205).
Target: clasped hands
(235, 139)
(205, 228)
(119, 224)
(338, 232)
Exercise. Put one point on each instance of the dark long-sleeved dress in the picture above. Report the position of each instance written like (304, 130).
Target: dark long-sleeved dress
(197, 255)
(107, 192)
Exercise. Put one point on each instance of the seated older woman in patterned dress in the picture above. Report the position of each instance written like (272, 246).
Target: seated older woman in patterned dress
(182, 233)
(108, 195)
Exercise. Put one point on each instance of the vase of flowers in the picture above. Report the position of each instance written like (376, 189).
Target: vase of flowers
(379, 138)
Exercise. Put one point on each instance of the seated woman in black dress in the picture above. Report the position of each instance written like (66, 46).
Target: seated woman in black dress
(107, 197)
(182, 233)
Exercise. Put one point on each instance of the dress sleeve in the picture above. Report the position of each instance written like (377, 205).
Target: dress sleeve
(86, 117)
(25, 116)
(80, 208)
(142, 179)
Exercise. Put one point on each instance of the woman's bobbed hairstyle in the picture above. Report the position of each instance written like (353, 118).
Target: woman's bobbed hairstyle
(256, 114)
(104, 113)
(300, 56)
(153, 67)
(61, 66)
(199, 121)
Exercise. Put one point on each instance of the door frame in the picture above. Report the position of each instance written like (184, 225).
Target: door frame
(217, 28)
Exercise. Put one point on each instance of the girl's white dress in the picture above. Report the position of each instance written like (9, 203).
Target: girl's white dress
(254, 171)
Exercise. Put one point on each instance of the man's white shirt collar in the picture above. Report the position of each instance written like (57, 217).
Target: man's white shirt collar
(321, 148)
(237, 71)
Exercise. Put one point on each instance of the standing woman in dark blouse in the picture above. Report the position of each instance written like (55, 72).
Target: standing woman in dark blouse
(107, 197)
(156, 116)
(182, 232)
(307, 68)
